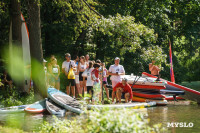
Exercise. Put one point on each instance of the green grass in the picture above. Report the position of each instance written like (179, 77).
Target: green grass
(10, 130)
(193, 85)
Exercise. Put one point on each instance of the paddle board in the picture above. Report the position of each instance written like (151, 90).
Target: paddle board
(26, 54)
(172, 92)
(158, 102)
(189, 93)
(13, 109)
(55, 109)
(37, 107)
(123, 105)
(144, 81)
(64, 100)
(171, 98)
(147, 95)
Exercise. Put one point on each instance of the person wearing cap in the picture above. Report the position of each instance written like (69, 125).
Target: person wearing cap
(123, 88)
(66, 65)
(115, 71)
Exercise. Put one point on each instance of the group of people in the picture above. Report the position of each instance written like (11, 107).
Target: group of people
(86, 74)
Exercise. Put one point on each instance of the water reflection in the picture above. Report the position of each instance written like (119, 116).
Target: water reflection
(171, 114)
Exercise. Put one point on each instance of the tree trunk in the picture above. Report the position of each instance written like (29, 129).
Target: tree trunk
(15, 11)
(38, 75)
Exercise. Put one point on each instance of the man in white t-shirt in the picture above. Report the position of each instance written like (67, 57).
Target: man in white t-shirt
(66, 65)
(115, 71)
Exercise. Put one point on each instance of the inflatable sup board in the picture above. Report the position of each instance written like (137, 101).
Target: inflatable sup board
(123, 105)
(147, 94)
(55, 109)
(64, 100)
(189, 93)
(142, 82)
(13, 109)
(37, 107)
(158, 102)
(26, 54)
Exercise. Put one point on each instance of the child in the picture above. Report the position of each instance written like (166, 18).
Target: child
(90, 82)
(96, 86)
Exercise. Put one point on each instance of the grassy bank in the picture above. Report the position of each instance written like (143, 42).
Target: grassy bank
(193, 85)
(10, 130)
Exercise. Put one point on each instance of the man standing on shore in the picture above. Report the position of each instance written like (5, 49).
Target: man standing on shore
(154, 69)
(115, 71)
(66, 65)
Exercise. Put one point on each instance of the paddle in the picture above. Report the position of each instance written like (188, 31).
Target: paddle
(140, 70)
(136, 79)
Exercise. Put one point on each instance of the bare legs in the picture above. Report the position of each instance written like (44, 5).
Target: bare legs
(119, 94)
(77, 89)
(72, 89)
(81, 88)
(84, 85)
(57, 85)
(107, 92)
(127, 96)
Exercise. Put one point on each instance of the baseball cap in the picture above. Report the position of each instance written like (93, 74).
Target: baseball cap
(125, 79)
(44, 60)
(117, 58)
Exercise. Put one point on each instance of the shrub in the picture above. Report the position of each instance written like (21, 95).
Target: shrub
(117, 121)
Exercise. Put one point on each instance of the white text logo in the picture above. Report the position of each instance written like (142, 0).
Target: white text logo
(180, 124)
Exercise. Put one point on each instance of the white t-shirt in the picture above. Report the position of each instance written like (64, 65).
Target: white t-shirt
(84, 66)
(66, 64)
(89, 82)
(76, 66)
(115, 69)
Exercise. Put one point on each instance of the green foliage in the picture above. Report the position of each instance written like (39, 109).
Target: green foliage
(155, 53)
(178, 20)
(124, 120)
(127, 28)
(15, 64)
(64, 25)
(10, 130)
(122, 31)
(194, 85)
(12, 97)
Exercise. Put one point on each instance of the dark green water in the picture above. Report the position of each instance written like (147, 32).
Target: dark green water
(162, 114)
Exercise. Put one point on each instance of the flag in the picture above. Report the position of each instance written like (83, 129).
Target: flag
(171, 64)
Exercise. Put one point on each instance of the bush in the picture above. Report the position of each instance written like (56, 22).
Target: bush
(12, 97)
(124, 120)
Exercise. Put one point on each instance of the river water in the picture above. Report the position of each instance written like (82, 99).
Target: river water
(188, 115)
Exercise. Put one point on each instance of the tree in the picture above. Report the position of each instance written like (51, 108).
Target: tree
(16, 23)
(36, 49)
(121, 36)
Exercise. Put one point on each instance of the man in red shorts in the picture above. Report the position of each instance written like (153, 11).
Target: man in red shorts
(123, 88)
